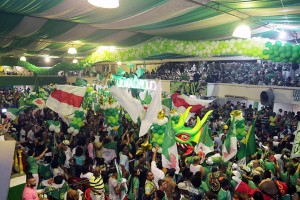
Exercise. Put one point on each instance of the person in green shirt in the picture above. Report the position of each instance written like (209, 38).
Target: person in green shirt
(224, 193)
(32, 165)
(133, 185)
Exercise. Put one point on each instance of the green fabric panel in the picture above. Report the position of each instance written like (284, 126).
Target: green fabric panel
(33, 52)
(20, 42)
(53, 28)
(292, 19)
(127, 8)
(134, 40)
(57, 53)
(195, 15)
(98, 35)
(165, 56)
(86, 47)
(56, 45)
(16, 192)
(27, 6)
(249, 4)
(5, 50)
(8, 25)
(30, 80)
(215, 32)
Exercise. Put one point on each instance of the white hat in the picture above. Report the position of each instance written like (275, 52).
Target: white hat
(183, 186)
(209, 161)
(275, 138)
(234, 166)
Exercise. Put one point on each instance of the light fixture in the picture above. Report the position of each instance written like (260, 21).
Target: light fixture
(72, 50)
(119, 63)
(23, 58)
(282, 35)
(75, 60)
(47, 59)
(105, 3)
(242, 31)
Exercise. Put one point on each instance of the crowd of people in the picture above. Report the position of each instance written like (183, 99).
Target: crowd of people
(239, 72)
(94, 154)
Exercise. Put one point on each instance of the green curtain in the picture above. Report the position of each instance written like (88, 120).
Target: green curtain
(8, 25)
(27, 6)
(128, 8)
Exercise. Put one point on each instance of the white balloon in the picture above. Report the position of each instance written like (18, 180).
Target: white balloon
(76, 131)
(52, 127)
(57, 130)
(72, 129)
(69, 131)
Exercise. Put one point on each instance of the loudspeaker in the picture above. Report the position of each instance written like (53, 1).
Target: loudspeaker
(267, 98)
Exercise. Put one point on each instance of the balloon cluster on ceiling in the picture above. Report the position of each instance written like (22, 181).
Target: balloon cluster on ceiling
(255, 47)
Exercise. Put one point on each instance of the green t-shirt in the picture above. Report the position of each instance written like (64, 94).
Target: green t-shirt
(251, 184)
(224, 195)
(32, 165)
(135, 185)
(204, 186)
(293, 179)
(45, 171)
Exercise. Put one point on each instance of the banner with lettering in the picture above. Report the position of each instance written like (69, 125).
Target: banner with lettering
(296, 146)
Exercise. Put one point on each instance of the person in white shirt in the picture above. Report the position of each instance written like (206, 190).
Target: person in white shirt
(197, 167)
(157, 173)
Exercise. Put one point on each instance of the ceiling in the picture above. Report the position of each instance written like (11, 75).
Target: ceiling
(35, 28)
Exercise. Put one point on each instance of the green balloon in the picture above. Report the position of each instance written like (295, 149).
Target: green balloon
(282, 55)
(268, 44)
(160, 141)
(278, 43)
(265, 52)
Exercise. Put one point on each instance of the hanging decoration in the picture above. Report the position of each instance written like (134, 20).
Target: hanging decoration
(111, 111)
(53, 125)
(255, 47)
(76, 123)
(240, 124)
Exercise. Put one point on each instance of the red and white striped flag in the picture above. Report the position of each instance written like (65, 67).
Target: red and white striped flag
(66, 99)
(182, 102)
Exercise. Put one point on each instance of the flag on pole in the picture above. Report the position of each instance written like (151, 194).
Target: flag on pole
(248, 145)
(152, 111)
(132, 105)
(229, 148)
(296, 146)
(169, 149)
(205, 144)
(66, 99)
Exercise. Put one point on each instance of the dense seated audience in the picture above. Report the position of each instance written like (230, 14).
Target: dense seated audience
(60, 161)
(240, 72)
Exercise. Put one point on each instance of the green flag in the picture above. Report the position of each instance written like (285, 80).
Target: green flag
(169, 149)
(205, 144)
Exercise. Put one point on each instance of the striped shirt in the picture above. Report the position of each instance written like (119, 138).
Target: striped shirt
(97, 183)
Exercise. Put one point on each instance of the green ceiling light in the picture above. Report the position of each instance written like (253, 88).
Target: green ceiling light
(242, 31)
(105, 3)
(72, 50)
(23, 58)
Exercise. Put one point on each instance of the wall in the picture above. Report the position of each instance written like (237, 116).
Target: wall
(31, 80)
(251, 92)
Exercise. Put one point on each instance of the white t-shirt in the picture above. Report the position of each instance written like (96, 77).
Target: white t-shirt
(112, 183)
(68, 154)
(124, 161)
(87, 175)
(195, 168)
(157, 173)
